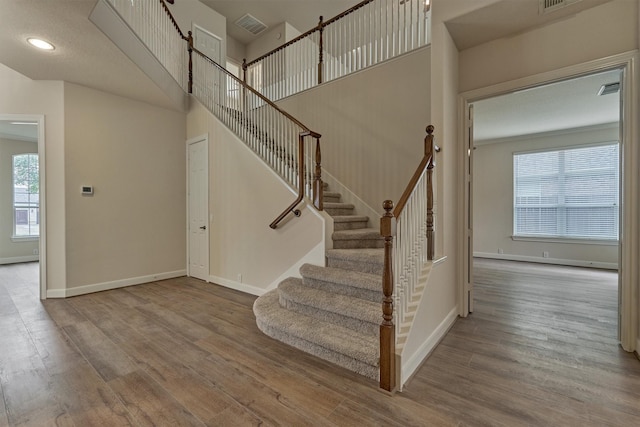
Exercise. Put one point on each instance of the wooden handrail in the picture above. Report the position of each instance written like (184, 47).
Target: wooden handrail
(266, 100)
(173, 20)
(387, 230)
(305, 131)
(317, 185)
(318, 27)
(426, 161)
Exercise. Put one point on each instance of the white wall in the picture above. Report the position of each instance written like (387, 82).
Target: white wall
(133, 154)
(245, 197)
(21, 95)
(595, 33)
(493, 201)
(271, 39)
(12, 251)
(372, 124)
(438, 309)
(236, 50)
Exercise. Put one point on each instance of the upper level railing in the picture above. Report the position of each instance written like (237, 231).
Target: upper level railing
(159, 31)
(371, 32)
(274, 135)
(409, 244)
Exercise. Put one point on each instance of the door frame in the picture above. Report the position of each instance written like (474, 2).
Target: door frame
(202, 138)
(42, 243)
(628, 272)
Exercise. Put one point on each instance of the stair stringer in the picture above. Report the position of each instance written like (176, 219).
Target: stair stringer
(349, 196)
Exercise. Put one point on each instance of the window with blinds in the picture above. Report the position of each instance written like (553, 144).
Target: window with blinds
(568, 193)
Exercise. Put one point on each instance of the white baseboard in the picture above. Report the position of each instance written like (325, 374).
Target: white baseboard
(414, 362)
(242, 287)
(18, 259)
(555, 261)
(638, 346)
(105, 286)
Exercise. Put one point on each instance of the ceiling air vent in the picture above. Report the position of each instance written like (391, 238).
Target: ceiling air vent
(547, 6)
(251, 24)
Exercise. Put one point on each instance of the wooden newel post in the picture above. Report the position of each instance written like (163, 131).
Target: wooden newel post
(430, 153)
(321, 49)
(318, 190)
(190, 40)
(387, 328)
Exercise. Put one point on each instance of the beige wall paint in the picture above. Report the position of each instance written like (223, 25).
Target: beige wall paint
(236, 50)
(595, 33)
(134, 156)
(245, 196)
(272, 39)
(372, 124)
(21, 95)
(493, 199)
(438, 307)
(9, 248)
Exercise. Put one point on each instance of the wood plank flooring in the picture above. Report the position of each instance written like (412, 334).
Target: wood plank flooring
(540, 349)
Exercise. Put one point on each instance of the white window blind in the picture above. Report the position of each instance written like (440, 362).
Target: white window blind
(571, 193)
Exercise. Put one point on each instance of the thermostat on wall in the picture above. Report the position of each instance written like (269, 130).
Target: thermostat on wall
(87, 190)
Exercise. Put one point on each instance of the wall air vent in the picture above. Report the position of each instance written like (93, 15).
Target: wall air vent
(251, 24)
(609, 88)
(547, 6)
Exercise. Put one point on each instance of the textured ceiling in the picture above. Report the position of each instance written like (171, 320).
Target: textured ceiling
(565, 105)
(301, 14)
(83, 54)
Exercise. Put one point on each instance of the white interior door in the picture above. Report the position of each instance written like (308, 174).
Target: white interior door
(207, 43)
(198, 207)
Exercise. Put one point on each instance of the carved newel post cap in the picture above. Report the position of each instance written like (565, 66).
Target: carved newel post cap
(430, 129)
(387, 205)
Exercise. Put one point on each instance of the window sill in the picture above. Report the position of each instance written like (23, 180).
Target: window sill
(16, 239)
(567, 240)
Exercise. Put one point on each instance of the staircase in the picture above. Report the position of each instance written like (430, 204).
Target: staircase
(333, 312)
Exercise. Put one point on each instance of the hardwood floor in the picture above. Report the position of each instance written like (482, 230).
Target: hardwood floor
(540, 349)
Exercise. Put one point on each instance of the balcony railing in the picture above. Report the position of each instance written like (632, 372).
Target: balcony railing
(371, 32)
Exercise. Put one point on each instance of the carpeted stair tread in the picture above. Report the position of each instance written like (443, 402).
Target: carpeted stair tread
(337, 344)
(358, 234)
(350, 218)
(349, 222)
(366, 260)
(352, 312)
(339, 276)
(338, 208)
(331, 197)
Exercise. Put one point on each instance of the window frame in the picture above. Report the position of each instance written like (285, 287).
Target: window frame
(15, 237)
(565, 238)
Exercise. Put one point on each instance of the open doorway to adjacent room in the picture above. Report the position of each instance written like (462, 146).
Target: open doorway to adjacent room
(544, 195)
(22, 218)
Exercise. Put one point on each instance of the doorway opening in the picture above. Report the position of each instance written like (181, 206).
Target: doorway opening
(596, 129)
(22, 197)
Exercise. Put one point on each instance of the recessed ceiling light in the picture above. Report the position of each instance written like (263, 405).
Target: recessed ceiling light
(40, 44)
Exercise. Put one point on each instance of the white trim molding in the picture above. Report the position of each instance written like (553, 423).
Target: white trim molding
(238, 286)
(416, 360)
(18, 259)
(555, 261)
(106, 286)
